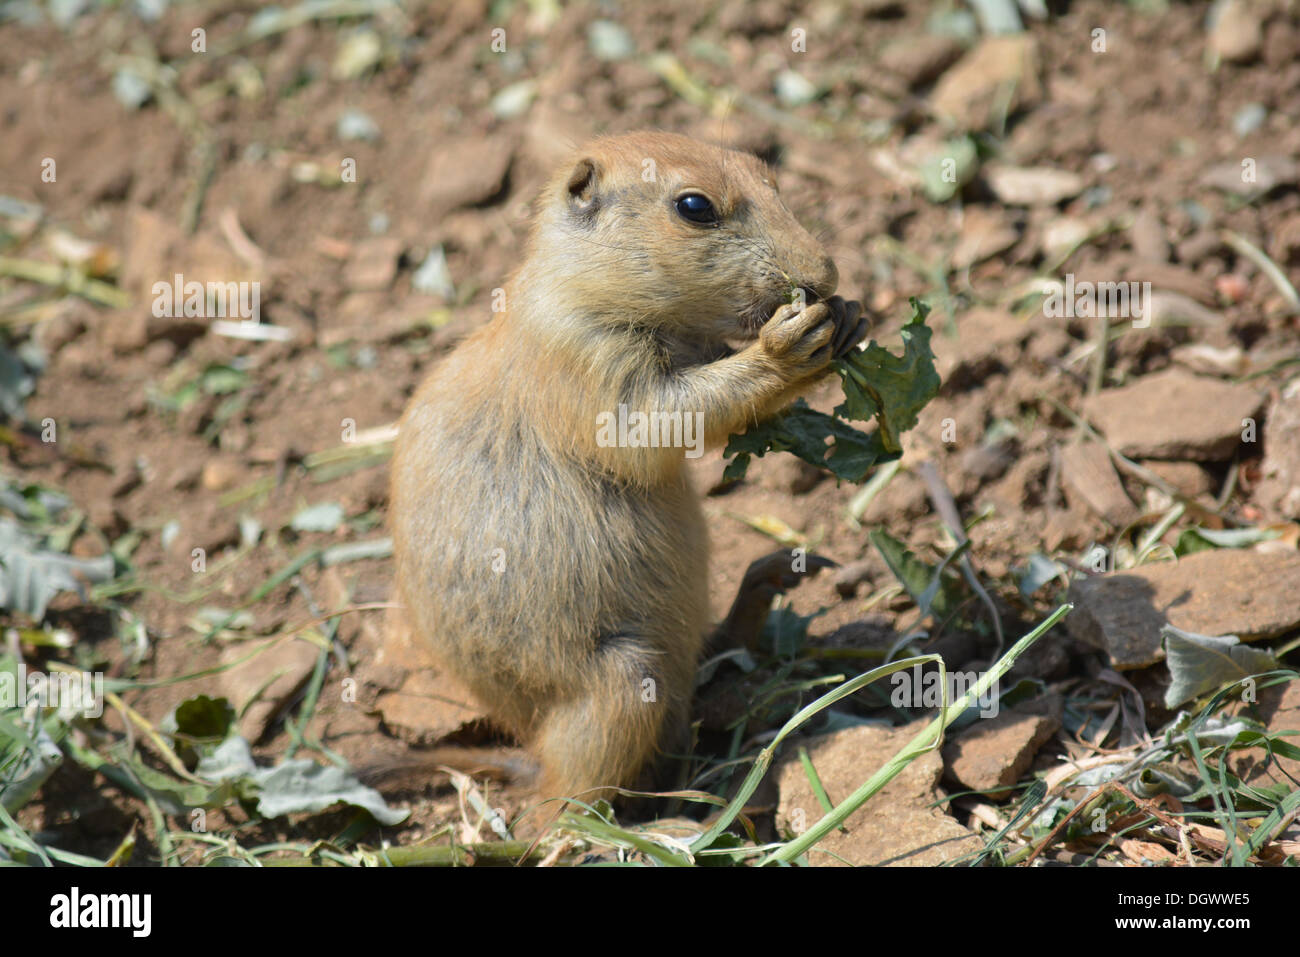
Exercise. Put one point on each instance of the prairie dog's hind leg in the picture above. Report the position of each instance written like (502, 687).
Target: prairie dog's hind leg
(633, 700)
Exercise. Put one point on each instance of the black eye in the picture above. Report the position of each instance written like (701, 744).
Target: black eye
(695, 208)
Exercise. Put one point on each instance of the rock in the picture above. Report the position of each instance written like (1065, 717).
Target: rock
(71, 318)
(785, 474)
(1188, 477)
(984, 335)
(985, 231)
(1278, 491)
(989, 461)
(1062, 234)
(916, 60)
(1286, 241)
(1281, 42)
(126, 331)
(994, 753)
(221, 474)
(1252, 176)
(1174, 415)
(971, 92)
(415, 695)
(1087, 472)
(1199, 246)
(1208, 360)
(429, 706)
(1237, 34)
(1168, 308)
(1032, 185)
(847, 578)
(286, 665)
(1279, 706)
(373, 264)
(1147, 236)
(897, 826)
(467, 172)
(1222, 591)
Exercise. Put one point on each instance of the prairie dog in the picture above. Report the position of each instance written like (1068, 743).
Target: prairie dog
(560, 576)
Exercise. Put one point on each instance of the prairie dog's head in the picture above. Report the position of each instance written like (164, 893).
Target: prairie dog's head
(665, 232)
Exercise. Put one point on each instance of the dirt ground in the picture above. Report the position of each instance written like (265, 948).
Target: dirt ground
(239, 165)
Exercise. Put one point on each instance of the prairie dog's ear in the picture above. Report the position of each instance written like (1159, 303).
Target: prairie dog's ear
(581, 187)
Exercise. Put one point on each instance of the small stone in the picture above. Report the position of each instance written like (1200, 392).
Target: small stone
(847, 578)
(1147, 236)
(985, 231)
(1175, 415)
(608, 40)
(1221, 591)
(1088, 472)
(1032, 186)
(1187, 477)
(291, 663)
(1237, 34)
(1278, 491)
(898, 825)
(415, 695)
(917, 60)
(356, 125)
(468, 172)
(994, 753)
(794, 89)
(1252, 175)
(513, 101)
(998, 70)
(1249, 118)
(221, 474)
(373, 264)
(358, 53)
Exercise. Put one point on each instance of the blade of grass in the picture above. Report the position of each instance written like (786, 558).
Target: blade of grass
(928, 739)
(764, 759)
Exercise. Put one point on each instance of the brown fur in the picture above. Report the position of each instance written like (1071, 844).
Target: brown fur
(565, 583)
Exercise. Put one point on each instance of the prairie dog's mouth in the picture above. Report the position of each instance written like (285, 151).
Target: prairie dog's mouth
(752, 318)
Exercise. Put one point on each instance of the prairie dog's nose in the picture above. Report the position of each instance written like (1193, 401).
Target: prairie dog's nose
(820, 281)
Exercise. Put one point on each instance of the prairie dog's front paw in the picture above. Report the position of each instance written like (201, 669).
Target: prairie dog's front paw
(799, 339)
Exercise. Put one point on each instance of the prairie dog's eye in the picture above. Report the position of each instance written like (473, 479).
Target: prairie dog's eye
(696, 208)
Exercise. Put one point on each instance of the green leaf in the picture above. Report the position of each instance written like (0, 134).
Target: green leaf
(30, 575)
(944, 172)
(785, 630)
(295, 786)
(324, 517)
(877, 385)
(221, 379)
(1201, 663)
(891, 389)
(202, 724)
(1194, 540)
(36, 759)
(918, 577)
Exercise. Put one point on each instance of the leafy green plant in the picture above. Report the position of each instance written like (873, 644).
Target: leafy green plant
(878, 385)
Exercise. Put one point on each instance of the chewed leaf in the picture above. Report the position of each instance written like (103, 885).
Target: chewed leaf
(31, 575)
(1201, 663)
(891, 389)
(304, 785)
(877, 385)
(294, 786)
